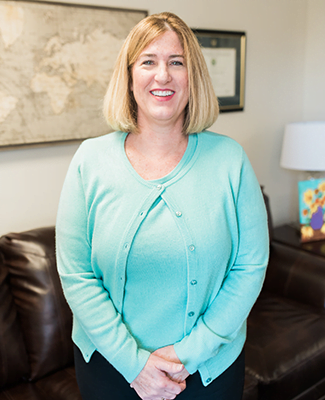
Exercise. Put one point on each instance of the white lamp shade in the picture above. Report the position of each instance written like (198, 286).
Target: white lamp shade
(303, 146)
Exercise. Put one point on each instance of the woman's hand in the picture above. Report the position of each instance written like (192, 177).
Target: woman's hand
(169, 354)
(154, 382)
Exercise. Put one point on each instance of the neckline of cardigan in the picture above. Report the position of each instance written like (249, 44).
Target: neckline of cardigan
(181, 168)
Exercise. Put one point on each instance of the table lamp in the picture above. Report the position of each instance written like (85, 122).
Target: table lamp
(303, 149)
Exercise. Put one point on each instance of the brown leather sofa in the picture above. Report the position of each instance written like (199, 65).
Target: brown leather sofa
(36, 353)
(285, 349)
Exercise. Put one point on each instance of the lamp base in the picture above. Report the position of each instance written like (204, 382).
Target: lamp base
(311, 175)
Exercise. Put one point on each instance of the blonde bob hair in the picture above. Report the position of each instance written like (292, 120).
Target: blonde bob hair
(120, 108)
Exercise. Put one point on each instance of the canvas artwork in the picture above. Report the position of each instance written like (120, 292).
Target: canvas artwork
(312, 209)
(55, 64)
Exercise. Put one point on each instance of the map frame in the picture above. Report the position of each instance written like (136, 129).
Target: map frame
(50, 127)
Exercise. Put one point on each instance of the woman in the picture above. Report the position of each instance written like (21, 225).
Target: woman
(162, 237)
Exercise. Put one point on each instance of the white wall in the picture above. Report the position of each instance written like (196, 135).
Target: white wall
(30, 185)
(31, 178)
(314, 84)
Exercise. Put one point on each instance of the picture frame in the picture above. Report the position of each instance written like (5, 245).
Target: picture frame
(312, 209)
(56, 63)
(225, 55)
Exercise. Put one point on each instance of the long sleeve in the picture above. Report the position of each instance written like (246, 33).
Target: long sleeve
(228, 311)
(90, 302)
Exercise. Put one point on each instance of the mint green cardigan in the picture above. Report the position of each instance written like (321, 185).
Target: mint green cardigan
(215, 201)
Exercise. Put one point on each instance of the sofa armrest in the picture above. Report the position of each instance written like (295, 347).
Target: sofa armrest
(296, 274)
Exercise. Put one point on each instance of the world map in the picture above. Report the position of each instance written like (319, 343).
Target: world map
(55, 64)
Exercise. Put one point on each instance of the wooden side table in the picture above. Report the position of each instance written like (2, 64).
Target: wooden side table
(290, 235)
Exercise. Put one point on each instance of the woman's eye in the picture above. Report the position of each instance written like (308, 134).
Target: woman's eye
(176, 63)
(148, 62)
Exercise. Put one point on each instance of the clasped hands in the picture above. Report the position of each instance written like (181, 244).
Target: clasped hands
(163, 376)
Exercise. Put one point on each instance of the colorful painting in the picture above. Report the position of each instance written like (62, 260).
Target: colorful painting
(312, 209)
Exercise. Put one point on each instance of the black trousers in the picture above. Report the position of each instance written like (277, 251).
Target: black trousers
(98, 380)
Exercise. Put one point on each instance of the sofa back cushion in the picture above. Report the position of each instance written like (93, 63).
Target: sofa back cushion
(297, 275)
(44, 315)
(13, 356)
(269, 215)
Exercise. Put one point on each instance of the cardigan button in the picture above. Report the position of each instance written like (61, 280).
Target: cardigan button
(192, 247)
(193, 282)
(178, 213)
(190, 314)
(208, 380)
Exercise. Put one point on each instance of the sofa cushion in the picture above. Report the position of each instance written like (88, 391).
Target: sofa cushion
(285, 348)
(296, 274)
(61, 385)
(317, 391)
(250, 388)
(44, 315)
(23, 391)
(13, 356)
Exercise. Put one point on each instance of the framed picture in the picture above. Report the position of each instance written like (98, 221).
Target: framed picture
(312, 209)
(56, 62)
(225, 53)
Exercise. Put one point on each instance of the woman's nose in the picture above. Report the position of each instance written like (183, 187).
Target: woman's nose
(163, 75)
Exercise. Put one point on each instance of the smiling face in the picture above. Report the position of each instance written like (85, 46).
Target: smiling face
(160, 83)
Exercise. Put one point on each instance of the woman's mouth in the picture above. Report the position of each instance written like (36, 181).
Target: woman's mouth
(162, 93)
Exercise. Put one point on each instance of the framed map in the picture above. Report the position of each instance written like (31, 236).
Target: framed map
(55, 64)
